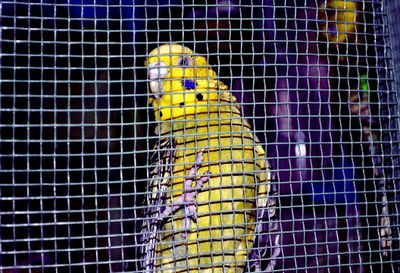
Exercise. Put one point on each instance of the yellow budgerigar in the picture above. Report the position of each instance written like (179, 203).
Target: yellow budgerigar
(338, 20)
(210, 179)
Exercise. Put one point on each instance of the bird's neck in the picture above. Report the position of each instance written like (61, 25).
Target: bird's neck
(193, 126)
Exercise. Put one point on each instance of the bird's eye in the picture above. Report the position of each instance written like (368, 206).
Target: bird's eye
(184, 62)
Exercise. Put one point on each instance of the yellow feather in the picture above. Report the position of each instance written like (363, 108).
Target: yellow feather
(222, 237)
(341, 16)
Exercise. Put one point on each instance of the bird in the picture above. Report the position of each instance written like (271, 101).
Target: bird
(338, 20)
(210, 183)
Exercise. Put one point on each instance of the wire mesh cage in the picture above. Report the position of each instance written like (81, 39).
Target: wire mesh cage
(199, 136)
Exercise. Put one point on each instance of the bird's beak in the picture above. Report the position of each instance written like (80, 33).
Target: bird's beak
(157, 71)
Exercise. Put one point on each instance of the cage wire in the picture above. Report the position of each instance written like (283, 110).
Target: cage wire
(81, 192)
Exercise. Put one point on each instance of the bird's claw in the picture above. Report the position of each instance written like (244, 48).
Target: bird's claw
(189, 195)
(190, 192)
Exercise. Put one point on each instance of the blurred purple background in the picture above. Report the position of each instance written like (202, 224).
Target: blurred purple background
(73, 115)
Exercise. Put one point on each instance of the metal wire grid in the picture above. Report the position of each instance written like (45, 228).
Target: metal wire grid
(76, 131)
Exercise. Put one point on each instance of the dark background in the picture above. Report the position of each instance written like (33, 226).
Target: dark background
(75, 125)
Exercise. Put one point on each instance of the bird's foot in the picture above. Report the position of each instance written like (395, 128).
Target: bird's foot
(190, 192)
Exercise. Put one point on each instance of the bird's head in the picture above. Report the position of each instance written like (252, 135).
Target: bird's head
(182, 83)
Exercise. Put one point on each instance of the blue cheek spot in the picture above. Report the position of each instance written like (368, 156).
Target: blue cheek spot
(333, 31)
(189, 84)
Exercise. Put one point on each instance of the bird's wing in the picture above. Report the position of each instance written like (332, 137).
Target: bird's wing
(157, 190)
(267, 228)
